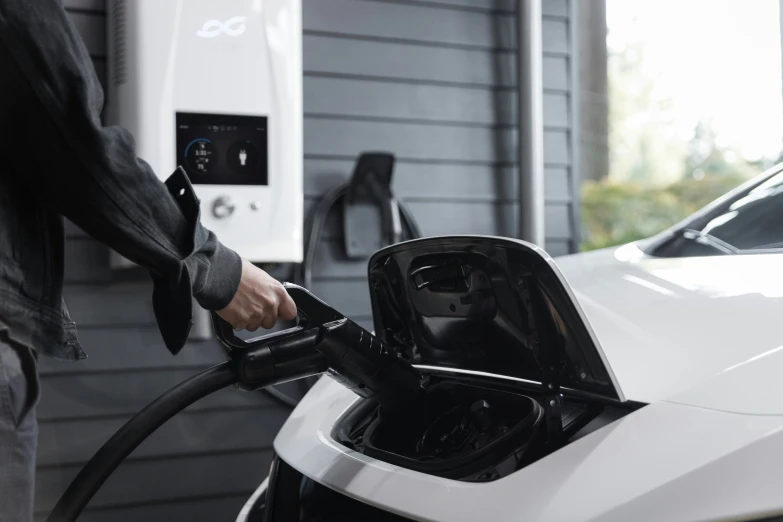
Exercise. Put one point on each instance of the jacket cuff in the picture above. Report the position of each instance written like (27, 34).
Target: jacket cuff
(209, 272)
(220, 279)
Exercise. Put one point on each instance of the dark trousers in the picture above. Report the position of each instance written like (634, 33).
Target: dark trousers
(19, 393)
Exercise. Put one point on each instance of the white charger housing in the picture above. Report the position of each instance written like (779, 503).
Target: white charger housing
(215, 86)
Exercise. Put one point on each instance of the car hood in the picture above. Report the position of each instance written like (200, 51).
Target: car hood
(668, 324)
(486, 304)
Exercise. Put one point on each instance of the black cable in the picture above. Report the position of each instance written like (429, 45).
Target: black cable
(409, 221)
(122, 444)
(303, 274)
(317, 222)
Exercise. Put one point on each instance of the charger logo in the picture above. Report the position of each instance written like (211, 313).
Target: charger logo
(231, 27)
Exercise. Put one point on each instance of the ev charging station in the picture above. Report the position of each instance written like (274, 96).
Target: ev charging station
(216, 87)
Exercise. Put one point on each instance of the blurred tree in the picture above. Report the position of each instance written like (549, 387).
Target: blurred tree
(707, 158)
(656, 176)
(618, 212)
(643, 144)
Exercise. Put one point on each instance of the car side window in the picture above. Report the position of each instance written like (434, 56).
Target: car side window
(753, 222)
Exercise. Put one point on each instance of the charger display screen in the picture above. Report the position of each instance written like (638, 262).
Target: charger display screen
(223, 149)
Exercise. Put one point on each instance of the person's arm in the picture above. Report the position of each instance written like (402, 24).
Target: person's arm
(91, 175)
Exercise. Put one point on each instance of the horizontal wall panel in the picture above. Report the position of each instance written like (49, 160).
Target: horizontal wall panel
(557, 221)
(409, 62)
(123, 303)
(555, 73)
(557, 184)
(507, 6)
(425, 24)
(92, 28)
(68, 443)
(90, 5)
(557, 149)
(109, 394)
(554, 36)
(469, 217)
(558, 8)
(554, 7)
(438, 182)
(149, 481)
(332, 56)
(86, 261)
(410, 141)
(112, 348)
(424, 102)
(219, 509)
(416, 180)
(481, 218)
(378, 99)
(556, 110)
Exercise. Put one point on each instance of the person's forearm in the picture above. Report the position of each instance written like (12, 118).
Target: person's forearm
(90, 173)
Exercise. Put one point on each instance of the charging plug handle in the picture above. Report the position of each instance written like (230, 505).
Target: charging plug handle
(323, 340)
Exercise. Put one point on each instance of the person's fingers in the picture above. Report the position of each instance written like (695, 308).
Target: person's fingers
(254, 323)
(239, 326)
(269, 321)
(287, 308)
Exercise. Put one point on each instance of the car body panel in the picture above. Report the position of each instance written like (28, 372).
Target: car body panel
(619, 472)
(752, 388)
(666, 324)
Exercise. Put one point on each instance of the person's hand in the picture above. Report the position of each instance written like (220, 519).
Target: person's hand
(259, 301)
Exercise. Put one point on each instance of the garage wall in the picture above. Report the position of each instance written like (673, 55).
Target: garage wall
(431, 81)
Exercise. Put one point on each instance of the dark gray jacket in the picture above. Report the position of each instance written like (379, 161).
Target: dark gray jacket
(57, 160)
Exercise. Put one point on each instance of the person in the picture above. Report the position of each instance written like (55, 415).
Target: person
(58, 161)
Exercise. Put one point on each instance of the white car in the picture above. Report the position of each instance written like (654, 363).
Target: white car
(640, 383)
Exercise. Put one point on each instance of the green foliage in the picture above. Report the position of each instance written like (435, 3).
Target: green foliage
(618, 212)
(658, 175)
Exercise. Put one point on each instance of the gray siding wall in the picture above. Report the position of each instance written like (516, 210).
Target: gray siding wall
(431, 81)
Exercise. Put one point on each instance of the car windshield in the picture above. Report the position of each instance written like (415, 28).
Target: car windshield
(749, 222)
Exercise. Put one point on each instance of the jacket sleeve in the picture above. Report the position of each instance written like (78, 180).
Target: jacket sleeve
(90, 174)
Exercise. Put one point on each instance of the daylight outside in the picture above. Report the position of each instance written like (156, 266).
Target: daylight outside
(694, 107)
